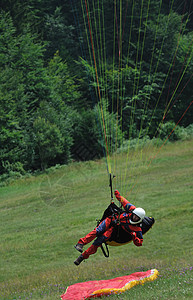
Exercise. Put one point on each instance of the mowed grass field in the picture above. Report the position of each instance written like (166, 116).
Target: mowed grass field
(42, 217)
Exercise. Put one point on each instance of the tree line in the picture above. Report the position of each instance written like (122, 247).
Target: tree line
(47, 108)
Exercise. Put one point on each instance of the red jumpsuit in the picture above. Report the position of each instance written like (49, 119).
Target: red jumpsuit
(104, 230)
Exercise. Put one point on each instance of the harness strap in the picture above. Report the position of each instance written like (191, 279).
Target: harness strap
(106, 254)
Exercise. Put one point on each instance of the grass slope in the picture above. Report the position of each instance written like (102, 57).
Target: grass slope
(42, 218)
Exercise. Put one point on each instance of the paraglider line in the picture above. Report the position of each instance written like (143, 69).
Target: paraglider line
(178, 97)
(98, 87)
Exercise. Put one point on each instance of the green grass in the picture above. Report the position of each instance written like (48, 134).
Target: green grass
(43, 216)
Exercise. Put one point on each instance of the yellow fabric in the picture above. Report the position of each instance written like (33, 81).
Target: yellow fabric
(113, 243)
(128, 286)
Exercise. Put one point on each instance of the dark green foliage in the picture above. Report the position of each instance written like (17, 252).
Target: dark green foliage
(35, 103)
(171, 131)
(48, 141)
(10, 90)
(91, 140)
(59, 35)
(86, 135)
(50, 105)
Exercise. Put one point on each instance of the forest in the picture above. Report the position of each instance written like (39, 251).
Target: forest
(57, 58)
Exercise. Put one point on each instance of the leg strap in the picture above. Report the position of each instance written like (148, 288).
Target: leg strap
(105, 252)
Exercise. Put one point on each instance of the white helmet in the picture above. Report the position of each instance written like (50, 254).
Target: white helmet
(140, 212)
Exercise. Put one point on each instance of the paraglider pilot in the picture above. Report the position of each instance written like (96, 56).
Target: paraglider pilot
(129, 220)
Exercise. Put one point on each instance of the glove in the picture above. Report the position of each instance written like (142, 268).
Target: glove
(117, 194)
(136, 240)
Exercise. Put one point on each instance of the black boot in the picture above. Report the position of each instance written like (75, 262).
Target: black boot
(79, 247)
(78, 260)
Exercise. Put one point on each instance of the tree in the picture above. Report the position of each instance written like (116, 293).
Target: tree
(10, 89)
(49, 141)
(25, 85)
